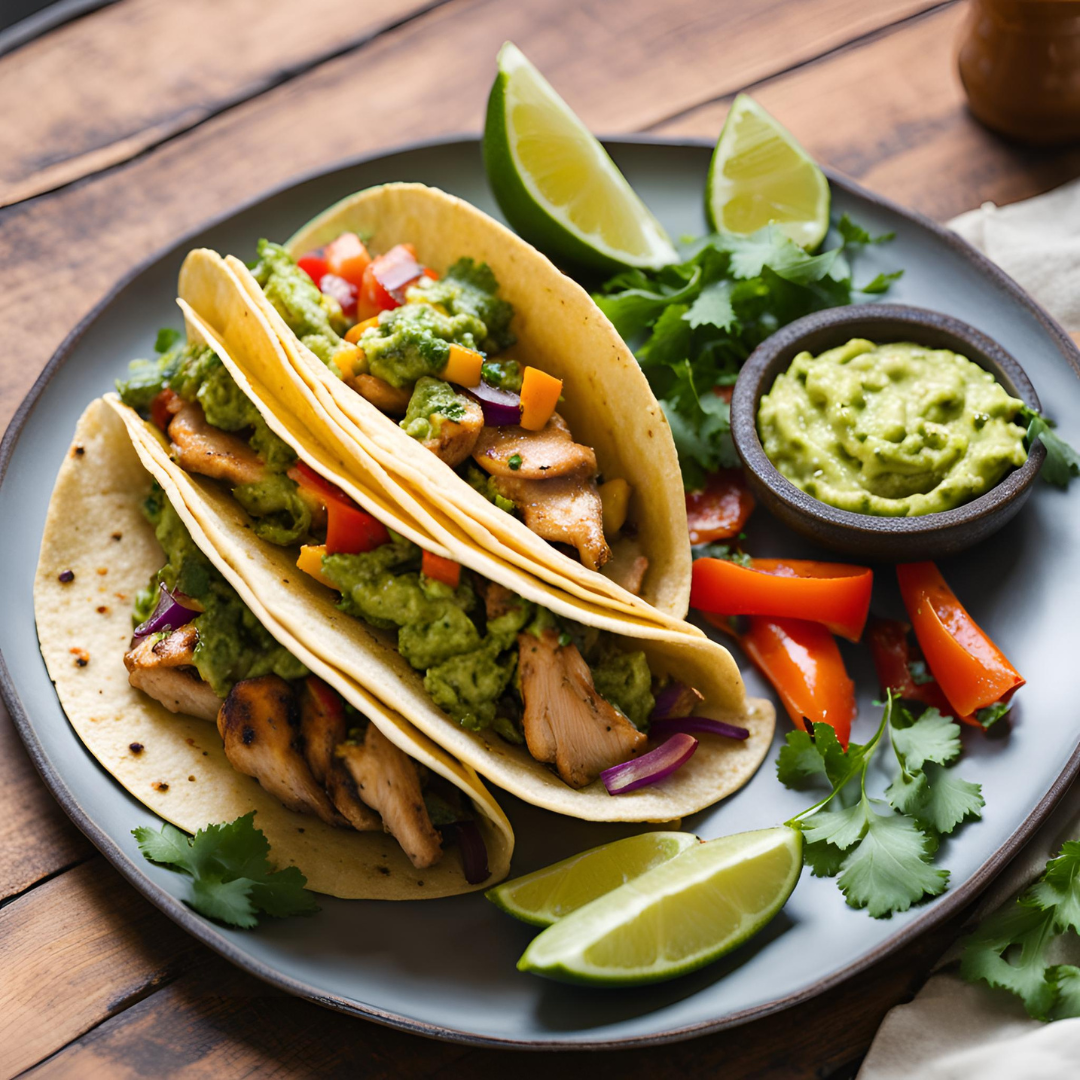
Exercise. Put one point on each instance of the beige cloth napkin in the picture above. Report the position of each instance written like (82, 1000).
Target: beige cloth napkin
(952, 1030)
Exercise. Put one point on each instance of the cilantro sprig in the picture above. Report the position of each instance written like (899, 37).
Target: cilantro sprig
(231, 877)
(882, 850)
(1062, 461)
(1011, 949)
(694, 323)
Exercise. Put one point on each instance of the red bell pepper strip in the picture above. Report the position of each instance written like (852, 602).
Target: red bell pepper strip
(164, 406)
(314, 265)
(347, 258)
(802, 661)
(387, 277)
(350, 530)
(439, 569)
(720, 510)
(893, 657)
(837, 595)
(328, 699)
(972, 671)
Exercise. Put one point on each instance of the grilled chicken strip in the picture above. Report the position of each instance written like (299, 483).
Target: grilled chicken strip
(163, 669)
(543, 454)
(389, 783)
(566, 721)
(200, 448)
(386, 398)
(260, 724)
(567, 510)
(323, 728)
(456, 438)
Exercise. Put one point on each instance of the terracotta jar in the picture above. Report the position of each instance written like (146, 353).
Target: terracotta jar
(1020, 66)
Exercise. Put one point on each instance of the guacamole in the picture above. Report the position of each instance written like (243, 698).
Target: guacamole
(233, 644)
(414, 340)
(893, 430)
(196, 374)
(432, 402)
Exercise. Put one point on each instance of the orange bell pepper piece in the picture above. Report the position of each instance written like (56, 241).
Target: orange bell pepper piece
(439, 569)
(463, 367)
(539, 396)
(720, 510)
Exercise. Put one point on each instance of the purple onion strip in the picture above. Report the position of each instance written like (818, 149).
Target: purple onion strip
(650, 768)
(704, 724)
(470, 842)
(170, 614)
(501, 407)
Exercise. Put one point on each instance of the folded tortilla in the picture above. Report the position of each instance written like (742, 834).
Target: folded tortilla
(175, 765)
(607, 400)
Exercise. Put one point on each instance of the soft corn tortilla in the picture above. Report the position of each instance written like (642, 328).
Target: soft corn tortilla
(175, 765)
(330, 451)
(369, 656)
(607, 399)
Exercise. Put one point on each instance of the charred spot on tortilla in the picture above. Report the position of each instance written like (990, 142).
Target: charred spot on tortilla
(136, 748)
(66, 577)
(117, 536)
(160, 785)
(78, 451)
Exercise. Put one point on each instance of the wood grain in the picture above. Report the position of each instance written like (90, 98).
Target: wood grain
(85, 237)
(73, 952)
(136, 88)
(891, 114)
(36, 838)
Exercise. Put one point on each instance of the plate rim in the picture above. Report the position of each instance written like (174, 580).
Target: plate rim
(211, 936)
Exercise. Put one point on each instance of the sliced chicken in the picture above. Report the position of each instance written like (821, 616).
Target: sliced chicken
(456, 438)
(627, 566)
(543, 454)
(163, 669)
(566, 510)
(566, 721)
(323, 727)
(200, 448)
(498, 600)
(386, 398)
(389, 783)
(260, 724)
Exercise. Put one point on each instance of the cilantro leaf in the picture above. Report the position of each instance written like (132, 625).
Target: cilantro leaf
(841, 828)
(823, 859)
(803, 758)
(890, 868)
(1059, 887)
(167, 337)
(1066, 979)
(881, 282)
(1062, 462)
(949, 800)
(232, 879)
(993, 713)
(713, 307)
(932, 737)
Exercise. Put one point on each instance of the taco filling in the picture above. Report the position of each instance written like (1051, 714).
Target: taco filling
(489, 658)
(199, 650)
(431, 351)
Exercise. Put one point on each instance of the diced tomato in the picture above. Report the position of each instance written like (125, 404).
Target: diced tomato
(724, 392)
(439, 569)
(386, 278)
(314, 265)
(344, 292)
(164, 407)
(329, 700)
(347, 258)
(351, 530)
(719, 512)
(307, 477)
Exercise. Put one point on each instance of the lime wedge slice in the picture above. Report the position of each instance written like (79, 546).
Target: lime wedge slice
(555, 183)
(547, 895)
(760, 174)
(676, 917)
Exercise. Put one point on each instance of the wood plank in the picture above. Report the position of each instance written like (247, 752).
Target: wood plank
(149, 69)
(73, 952)
(215, 1021)
(138, 94)
(67, 249)
(891, 113)
(36, 837)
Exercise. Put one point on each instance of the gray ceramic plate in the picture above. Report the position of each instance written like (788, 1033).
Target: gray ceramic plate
(446, 967)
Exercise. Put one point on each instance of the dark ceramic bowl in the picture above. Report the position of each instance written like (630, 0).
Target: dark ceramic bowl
(892, 539)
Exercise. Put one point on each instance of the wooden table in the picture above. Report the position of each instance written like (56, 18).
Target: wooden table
(133, 124)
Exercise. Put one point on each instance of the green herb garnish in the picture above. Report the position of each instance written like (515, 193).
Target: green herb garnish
(1062, 461)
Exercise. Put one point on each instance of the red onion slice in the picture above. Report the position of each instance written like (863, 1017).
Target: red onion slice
(501, 407)
(675, 699)
(650, 768)
(170, 614)
(697, 723)
(470, 842)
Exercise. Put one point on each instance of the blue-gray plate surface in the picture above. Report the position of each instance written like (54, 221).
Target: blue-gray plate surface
(446, 967)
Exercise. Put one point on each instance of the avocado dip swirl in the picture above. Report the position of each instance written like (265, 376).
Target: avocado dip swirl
(894, 429)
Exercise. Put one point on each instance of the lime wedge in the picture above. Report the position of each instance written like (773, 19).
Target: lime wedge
(555, 183)
(676, 917)
(547, 895)
(760, 174)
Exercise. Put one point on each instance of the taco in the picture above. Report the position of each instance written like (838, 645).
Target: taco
(489, 383)
(507, 673)
(341, 786)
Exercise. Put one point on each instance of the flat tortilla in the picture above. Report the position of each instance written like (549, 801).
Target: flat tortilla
(607, 399)
(175, 765)
(369, 656)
